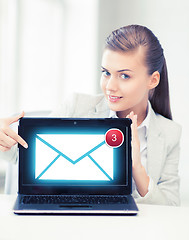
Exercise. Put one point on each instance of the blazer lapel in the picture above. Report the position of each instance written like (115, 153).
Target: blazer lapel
(155, 148)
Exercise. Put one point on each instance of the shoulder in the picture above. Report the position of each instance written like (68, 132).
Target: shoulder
(89, 105)
(169, 128)
(78, 104)
(89, 99)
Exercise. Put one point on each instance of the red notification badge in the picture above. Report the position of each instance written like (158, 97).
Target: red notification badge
(114, 137)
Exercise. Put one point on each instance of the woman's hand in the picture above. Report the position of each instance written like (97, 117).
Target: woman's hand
(138, 171)
(8, 137)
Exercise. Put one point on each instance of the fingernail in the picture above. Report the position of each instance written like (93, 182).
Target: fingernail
(26, 145)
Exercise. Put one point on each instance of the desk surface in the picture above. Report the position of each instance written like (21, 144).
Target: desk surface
(152, 222)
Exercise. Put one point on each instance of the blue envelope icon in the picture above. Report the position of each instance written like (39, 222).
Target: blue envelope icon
(73, 157)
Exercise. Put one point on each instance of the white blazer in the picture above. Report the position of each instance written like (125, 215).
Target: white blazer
(163, 146)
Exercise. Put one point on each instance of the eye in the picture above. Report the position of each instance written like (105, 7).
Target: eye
(125, 76)
(105, 73)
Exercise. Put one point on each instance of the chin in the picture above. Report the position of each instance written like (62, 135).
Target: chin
(116, 108)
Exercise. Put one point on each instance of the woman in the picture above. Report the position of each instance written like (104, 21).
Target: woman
(134, 82)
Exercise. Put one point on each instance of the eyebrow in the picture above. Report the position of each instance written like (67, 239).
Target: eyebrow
(118, 70)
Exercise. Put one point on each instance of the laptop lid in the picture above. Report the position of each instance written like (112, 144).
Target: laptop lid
(75, 156)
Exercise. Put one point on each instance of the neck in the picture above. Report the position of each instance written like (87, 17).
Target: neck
(140, 110)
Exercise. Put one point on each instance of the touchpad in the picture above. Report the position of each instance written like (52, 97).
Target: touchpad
(75, 206)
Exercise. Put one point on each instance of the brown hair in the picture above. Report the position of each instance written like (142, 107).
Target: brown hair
(130, 38)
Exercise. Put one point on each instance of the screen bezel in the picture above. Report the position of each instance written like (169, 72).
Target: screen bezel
(93, 190)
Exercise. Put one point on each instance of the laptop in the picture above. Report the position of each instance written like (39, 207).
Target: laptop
(75, 166)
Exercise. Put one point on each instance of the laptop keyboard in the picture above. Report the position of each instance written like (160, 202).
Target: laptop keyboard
(58, 199)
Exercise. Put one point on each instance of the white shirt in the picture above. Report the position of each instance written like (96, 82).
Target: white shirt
(142, 134)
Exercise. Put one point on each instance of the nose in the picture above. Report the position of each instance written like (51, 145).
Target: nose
(111, 84)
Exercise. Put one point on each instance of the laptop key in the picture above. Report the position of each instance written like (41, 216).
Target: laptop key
(57, 199)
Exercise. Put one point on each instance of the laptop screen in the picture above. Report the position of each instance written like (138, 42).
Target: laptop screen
(74, 155)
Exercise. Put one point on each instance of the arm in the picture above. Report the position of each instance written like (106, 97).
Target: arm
(138, 171)
(141, 179)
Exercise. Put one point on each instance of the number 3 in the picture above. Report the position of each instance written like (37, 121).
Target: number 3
(114, 139)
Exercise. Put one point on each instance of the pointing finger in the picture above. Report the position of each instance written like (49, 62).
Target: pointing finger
(16, 137)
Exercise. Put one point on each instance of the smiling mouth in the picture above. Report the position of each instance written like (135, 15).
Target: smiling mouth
(113, 98)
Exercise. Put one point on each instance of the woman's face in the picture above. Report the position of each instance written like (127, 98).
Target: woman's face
(125, 79)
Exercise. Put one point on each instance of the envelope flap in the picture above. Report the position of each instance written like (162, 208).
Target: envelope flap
(73, 146)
